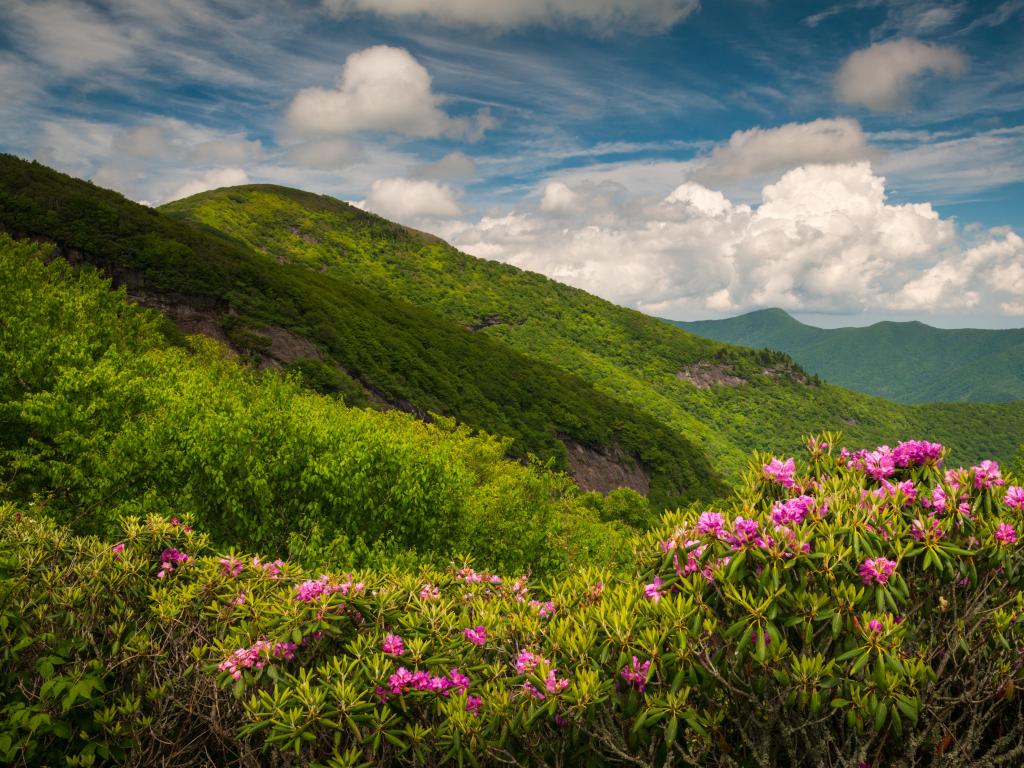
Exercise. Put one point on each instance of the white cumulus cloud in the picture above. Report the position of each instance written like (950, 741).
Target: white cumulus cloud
(215, 179)
(823, 238)
(600, 15)
(881, 77)
(762, 150)
(380, 89)
(407, 200)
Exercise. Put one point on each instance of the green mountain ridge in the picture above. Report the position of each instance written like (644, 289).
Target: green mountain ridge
(726, 399)
(909, 362)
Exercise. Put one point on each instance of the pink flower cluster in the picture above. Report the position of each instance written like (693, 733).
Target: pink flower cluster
(889, 490)
(544, 609)
(987, 475)
(403, 681)
(875, 627)
(393, 645)
(1005, 534)
(170, 558)
(794, 511)
(476, 635)
(256, 657)
(877, 570)
(272, 569)
(711, 524)
(1014, 497)
(429, 592)
(781, 472)
(652, 591)
(527, 661)
(917, 453)
(231, 566)
(470, 576)
(635, 673)
(744, 531)
(877, 464)
(314, 588)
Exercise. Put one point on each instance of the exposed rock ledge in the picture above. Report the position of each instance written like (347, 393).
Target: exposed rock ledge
(596, 470)
(707, 375)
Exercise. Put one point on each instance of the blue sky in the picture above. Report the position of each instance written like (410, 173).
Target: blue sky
(847, 161)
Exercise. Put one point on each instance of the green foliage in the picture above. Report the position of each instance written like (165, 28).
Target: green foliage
(906, 362)
(717, 646)
(101, 418)
(763, 399)
(407, 356)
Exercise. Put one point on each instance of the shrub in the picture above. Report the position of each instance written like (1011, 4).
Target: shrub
(859, 609)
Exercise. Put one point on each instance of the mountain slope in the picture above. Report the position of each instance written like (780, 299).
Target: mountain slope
(351, 339)
(907, 362)
(729, 400)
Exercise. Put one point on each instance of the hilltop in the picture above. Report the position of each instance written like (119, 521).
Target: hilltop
(908, 362)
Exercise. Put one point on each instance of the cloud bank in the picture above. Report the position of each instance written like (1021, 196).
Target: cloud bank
(823, 238)
(881, 77)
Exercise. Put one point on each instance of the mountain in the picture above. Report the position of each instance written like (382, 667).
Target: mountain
(399, 318)
(726, 399)
(907, 362)
(345, 338)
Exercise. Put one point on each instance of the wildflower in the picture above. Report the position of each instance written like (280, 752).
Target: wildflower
(744, 531)
(1014, 497)
(875, 627)
(916, 453)
(781, 473)
(937, 500)
(240, 600)
(544, 609)
(986, 475)
(792, 511)
(635, 673)
(477, 636)
(231, 566)
(1005, 534)
(256, 657)
(313, 588)
(393, 645)
(117, 549)
(169, 558)
(273, 570)
(877, 570)
(429, 592)
(526, 661)
(473, 704)
(711, 523)
(652, 591)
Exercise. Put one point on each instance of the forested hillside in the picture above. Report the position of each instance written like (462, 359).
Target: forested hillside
(347, 339)
(907, 362)
(728, 400)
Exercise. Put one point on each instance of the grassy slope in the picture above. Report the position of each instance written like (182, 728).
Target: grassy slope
(621, 352)
(906, 362)
(409, 354)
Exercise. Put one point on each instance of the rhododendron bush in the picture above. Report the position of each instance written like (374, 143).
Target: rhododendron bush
(853, 607)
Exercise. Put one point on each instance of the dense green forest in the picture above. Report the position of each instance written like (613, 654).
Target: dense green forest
(102, 416)
(363, 346)
(728, 400)
(907, 362)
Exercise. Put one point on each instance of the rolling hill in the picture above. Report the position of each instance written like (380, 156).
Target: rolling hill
(726, 399)
(908, 362)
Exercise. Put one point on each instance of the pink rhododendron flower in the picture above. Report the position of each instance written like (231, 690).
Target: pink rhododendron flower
(875, 627)
(793, 511)
(711, 523)
(169, 559)
(231, 566)
(1005, 534)
(393, 645)
(1014, 497)
(473, 704)
(314, 588)
(544, 609)
(117, 549)
(256, 657)
(781, 472)
(744, 531)
(477, 635)
(429, 592)
(987, 475)
(877, 570)
(652, 591)
(926, 530)
(917, 453)
(635, 673)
